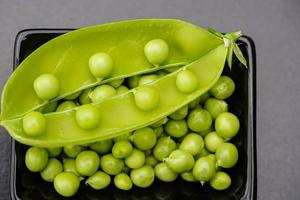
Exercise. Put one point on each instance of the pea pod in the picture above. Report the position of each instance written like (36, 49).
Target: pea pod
(67, 58)
(120, 114)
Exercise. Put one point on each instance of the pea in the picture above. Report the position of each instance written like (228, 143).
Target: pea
(163, 148)
(159, 122)
(46, 86)
(161, 73)
(53, 168)
(226, 155)
(188, 176)
(87, 163)
(102, 92)
(180, 161)
(142, 177)
(213, 141)
(55, 151)
(34, 123)
(227, 125)
(72, 151)
(111, 165)
(192, 143)
(66, 184)
(204, 97)
(99, 180)
(146, 98)
(122, 149)
(87, 116)
(165, 174)
(203, 153)
(186, 81)
(66, 105)
(102, 147)
(49, 107)
(146, 79)
(86, 144)
(133, 81)
(180, 114)
(116, 83)
(172, 69)
(204, 169)
(195, 103)
(84, 98)
(223, 88)
(215, 107)
(176, 128)
(199, 120)
(144, 138)
(125, 136)
(122, 89)
(122, 181)
(101, 65)
(204, 133)
(151, 161)
(70, 166)
(212, 156)
(136, 159)
(73, 96)
(156, 51)
(36, 159)
(221, 181)
(158, 131)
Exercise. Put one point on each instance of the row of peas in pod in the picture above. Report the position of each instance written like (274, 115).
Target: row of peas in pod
(193, 144)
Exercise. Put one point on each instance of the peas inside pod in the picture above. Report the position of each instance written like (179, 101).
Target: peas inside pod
(147, 104)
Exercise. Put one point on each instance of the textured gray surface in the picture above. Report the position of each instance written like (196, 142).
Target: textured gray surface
(273, 24)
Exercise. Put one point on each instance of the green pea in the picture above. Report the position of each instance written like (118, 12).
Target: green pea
(156, 51)
(176, 128)
(84, 98)
(161, 73)
(66, 184)
(55, 151)
(226, 155)
(144, 138)
(73, 96)
(34, 123)
(195, 103)
(192, 143)
(111, 165)
(99, 180)
(70, 166)
(213, 141)
(133, 81)
(136, 159)
(122, 149)
(53, 168)
(212, 156)
(116, 83)
(204, 133)
(204, 169)
(227, 125)
(172, 69)
(180, 114)
(215, 107)
(86, 144)
(125, 136)
(87, 163)
(158, 131)
(146, 79)
(188, 176)
(101, 65)
(122, 89)
(49, 107)
(151, 161)
(203, 153)
(36, 159)
(122, 181)
(221, 181)
(164, 148)
(102, 147)
(199, 120)
(46, 86)
(72, 151)
(223, 88)
(142, 177)
(159, 122)
(186, 81)
(102, 92)
(87, 116)
(204, 97)
(180, 161)
(165, 174)
(66, 105)
(146, 98)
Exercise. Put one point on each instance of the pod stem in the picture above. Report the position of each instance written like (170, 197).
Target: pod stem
(230, 42)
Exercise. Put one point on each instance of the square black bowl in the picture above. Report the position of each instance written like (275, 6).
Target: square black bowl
(27, 185)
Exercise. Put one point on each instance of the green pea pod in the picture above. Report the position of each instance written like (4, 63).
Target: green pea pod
(67, 58)
(119, 114)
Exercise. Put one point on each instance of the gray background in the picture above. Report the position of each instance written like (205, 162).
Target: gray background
(273, 24)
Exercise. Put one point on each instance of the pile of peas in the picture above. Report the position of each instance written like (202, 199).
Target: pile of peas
(192, 143)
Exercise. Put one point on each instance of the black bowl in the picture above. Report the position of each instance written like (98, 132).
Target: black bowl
(27, 185)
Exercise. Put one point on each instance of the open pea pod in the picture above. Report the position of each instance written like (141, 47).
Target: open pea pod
(67, 58)
(120, 113)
